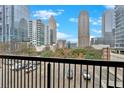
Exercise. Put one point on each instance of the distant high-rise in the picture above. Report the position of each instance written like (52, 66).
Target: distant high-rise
(14, 23)
(61, 43)
(47, 35)
(53, 33)
(36, 32)
(83, 30)
(107, 27)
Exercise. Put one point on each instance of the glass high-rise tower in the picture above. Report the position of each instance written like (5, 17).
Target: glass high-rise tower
(107, 27)
(14, 23)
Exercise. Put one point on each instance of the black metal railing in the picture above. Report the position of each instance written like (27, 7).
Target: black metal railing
(39, 72)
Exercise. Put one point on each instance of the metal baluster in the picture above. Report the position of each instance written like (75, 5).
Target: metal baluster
(64, 75)
(5, 75)
(107, 76)
(21, 74)
(17, 73)
(36, 76)
(14, 73)
(40, 74)
(32, 76)
(69, 77)
(2, 73)
(24, 75)
(87, 78)
(58, 74)
(100, 76)
(93, 76)
(115, 77)
(8, 74)
(75, 76)
(44, 74)
(123, 77)
(48, 75)
(53, 75)
(81, 76)
(29, 72)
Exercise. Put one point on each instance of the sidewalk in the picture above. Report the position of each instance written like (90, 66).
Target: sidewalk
(118, 55)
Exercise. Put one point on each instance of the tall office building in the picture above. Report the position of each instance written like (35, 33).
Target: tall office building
(13, 23)
(119, 27)
(107, 27)
(47, 35)
(83, 30)
(36, 32)
(53, 30)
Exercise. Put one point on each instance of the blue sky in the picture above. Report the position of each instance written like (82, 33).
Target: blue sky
(67, 18)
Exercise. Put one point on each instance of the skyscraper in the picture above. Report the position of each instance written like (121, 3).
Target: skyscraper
(53, 33)
(119, 28)
(13, 23)
(107, 27)
(47, 35)
(83, 29)
(36, 32)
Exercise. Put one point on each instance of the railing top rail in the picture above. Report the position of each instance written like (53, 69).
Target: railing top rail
(67, 60)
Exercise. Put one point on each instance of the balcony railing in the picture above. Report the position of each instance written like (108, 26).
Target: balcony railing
(39, 72)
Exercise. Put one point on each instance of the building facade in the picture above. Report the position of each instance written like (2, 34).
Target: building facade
(119, 27)
(53, 30)
(61, 43)
(107, 27)
(36, 32)
(47, 35)
(14, 23)
(73, 45)
(83, 30)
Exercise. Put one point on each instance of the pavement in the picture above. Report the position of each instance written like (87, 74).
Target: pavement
(117, 57)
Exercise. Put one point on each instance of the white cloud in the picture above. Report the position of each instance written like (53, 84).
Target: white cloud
(67, 37)
(73, 20)
(61, 10)
(96, 31)
(45, 14)
(96, 21)
(61, 35)
(58, 24)
(92, 36)
(73, 40)
(109, 6)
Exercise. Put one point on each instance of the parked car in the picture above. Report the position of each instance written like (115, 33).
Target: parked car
(36, 63)
(31, 68)
(28, 66)
(87, 76)
(18, 66)
(71, 74)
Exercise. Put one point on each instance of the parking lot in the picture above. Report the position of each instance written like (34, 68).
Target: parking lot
(59, 76)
